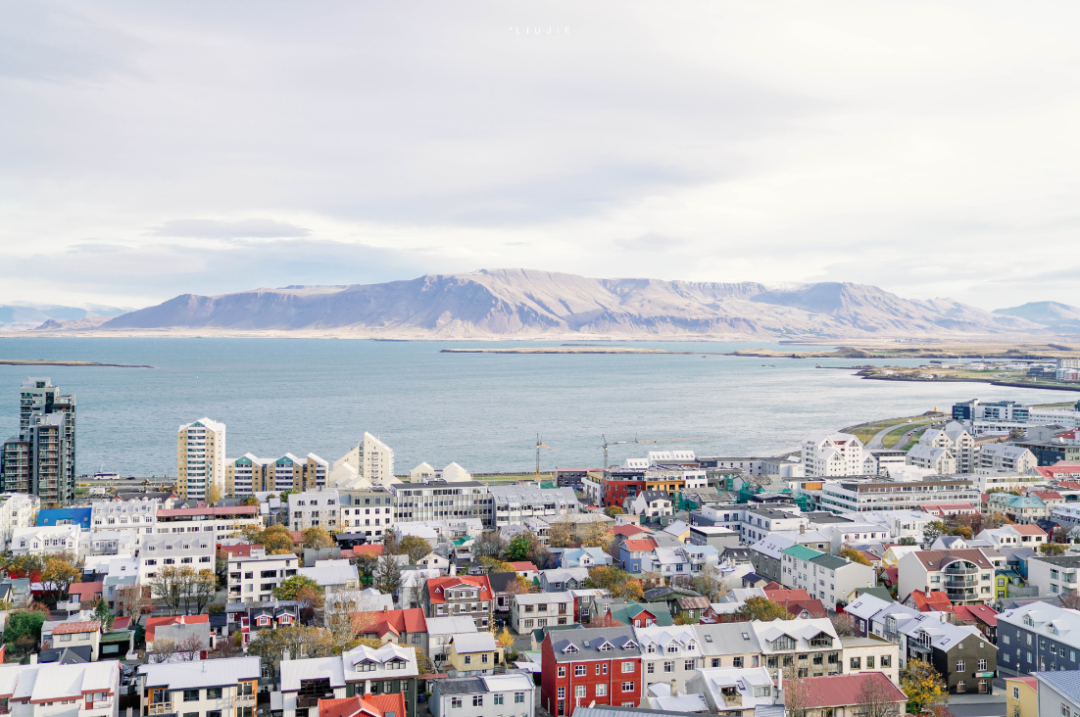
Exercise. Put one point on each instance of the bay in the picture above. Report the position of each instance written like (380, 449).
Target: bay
(481, 410)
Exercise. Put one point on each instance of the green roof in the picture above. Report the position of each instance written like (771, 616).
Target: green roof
(829, 561)
(626, 614)
(546, 484)
(878, 592)
(117, 636)
(802, 552)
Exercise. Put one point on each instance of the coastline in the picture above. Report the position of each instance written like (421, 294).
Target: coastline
(43, 362)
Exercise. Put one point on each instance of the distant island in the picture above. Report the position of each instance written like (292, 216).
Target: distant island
(47, 362)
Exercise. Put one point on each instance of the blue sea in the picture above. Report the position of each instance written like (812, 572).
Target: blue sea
(481, 410)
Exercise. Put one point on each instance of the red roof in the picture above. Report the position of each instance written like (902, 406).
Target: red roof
(628, 530)
(813, 607)
(845, 690)
(784, 594)
(1046, 494)
(1032, 682)
(374, 705)
(935, 600)
(388, 703)
(153, 623)
(892, 575)
(645, 544)
(524, 566)
(436, 586)
(1066, 484)
(70, 628)
(980, 613)
(122, 623)
(182, 512)
(359, 550)
(394, 622)
(85, 591)
(242, 550)
(1068, 435)
(1028, 529)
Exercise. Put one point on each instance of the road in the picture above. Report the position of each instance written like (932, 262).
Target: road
(876, 442)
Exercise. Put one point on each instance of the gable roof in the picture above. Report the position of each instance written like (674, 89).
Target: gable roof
(437, 587)
(937, 559)
(643, 545)
(845, 690)
(394, 622)
(935, 600)
(978, 613)
(593, 644)
(152, 623)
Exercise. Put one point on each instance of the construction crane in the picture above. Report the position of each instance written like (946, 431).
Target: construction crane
(539, 445)
(607, 472)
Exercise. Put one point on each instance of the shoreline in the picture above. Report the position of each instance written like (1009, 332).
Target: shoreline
(77, 364)
(1010, 384)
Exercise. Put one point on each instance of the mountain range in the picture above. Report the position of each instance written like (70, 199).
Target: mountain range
(15, 317)
(521, 303)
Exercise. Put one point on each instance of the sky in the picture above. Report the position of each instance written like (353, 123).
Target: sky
(151, 148)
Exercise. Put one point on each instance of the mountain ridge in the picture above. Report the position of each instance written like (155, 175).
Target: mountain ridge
(524, 303)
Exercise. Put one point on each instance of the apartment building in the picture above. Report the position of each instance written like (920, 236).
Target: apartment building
(836, 454)
(218, 522)
(1018, 508)
(139, 516)
(193, 550)
(955, 439)
(88, 689)
(669, 655)
(811, 645)
(40, 459)
(200, 459)
(587, 666)
(45, 540)
(966, 575)
(509, 695)
(939, 460)
(985, 482)
(515, 503)
(825, 577)
(1053, 575)
(388, 670)
(440, 500)
(871, 654)
(250, 474)
(1038, 637)
(864, 495)
(253, 579)
(529, 611)
(371, 512)
(462, 596)
(371, 460)
(748, 691)
(650, 504)
(1005, 458)
(728, 645)
(229, 686)
(315, 509)
(17, 510)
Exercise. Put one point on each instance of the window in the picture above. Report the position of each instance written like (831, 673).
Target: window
(191, 695)
(579, 670)
(519, 697)
(562, 693)
(456, 701)
(213, 693)
(737, 662)
(601, 690)
(961, 666)
(1016, 693)
(982, 665)
(688, 665)
(856, 663)
(716, 662)
(627, 667)
(562, 671)
(598, 668)
(478, 701)
(498, 699)
(628, 687)
(468, 659)
(580, 691)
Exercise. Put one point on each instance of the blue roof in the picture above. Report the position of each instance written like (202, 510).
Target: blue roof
(1017, 501)
(1066, 683)
(65, 516)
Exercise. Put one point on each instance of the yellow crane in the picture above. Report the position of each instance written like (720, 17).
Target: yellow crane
(607, 472)
(539, 445)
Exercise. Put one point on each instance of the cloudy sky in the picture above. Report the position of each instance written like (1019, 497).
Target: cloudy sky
(158, 147)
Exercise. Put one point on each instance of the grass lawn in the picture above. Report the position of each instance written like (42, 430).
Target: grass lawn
(892, 438)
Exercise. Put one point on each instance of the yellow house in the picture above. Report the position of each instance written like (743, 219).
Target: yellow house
(1021, 697)
(678, 530)
(474, 654)
(891, 558)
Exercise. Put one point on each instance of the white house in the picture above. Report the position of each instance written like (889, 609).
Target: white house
(45, 540)
(225, 686)
(484, 696)
(315, 509)
(356, 671)
(529, 611)
(17, 510)
(670, 655)
(88, 689)
(836, 454)
(138, 515)
(649, 503)
(254, 579)
(939, 460)
(192, 550)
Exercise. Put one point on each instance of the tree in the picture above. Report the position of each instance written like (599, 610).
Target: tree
(167, 585)
(388, 577)
(162, 650)
(423, 662)
(203, 587)
(494, 565)
(845, 625)
(759, 608)
(316, 538)
(25, 623)
(300, 640)
(854, 556)
(103, 613)
(924, 686)
(1070, 600)
(596, 535)
(185, 577)
(710, 583)
(613, 510)
(415, 547)
(131, 599)
(366, 565)
(907, 541)
(489, 545)
(1052, 549)
(26, 566)
(519, 547)
(308, 600)
(213, 494)
(562, 535)
(505, 639)
(1060, 534)
(796, 691)
(540, 556)
(190, 649)
(618, 581)
(56, 577)
(877, 699)
(251, 500)
(683, 618)
(934, 530)
(291, 587)
(605, 620)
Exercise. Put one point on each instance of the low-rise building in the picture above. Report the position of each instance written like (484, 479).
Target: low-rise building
(475, 654)
(139, 515)
(1018, 508)
(515, 503)
(390, 669)
(743, 691)
(370, 513)
(587, 666)
(195, 550)
(441, 630)
(334, 576)
(230, 687)
(846, 695)
(88, 689)
(669, 655)
(440, 500)
(812, 644)
(939, 460)
(254, 579)
(315, 509)
(961, 654)
(1022, 697)
(79, 631)
(529, 611)
(1037, 637)
(45, 540)
(463, 595)
(966, 576)
(1057, 692)
(872, 654)
(1004, 458)
(17, 510)
(825, 577)
(484, 696)
(220, 523)
(650, 503)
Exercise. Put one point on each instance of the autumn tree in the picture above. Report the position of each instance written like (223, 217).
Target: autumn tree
(203, 586)
(540, 556)
(490, 545)
(596, 535)
(876, 698)
(167, 586)
(613, 510)
(710, 583)
(924, 686)
(317, 538)
(131, 599)
(300, 640)
(57, 577)
(605, 620)
(562, 535)
(934, 530)
(796, 691)
(251, 500)
(213, 494)
(505, 639)
(845, 625)
(518, 549)
(764, 609)
(1070, 600)
(1052, 549)
(415, 547)
(854, 556)
(290, 587)
(618, 581)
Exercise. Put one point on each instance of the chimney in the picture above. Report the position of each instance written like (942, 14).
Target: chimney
(33, 659)
(674, 688)
(385, 609)
(802, 529)
(182, 622)
(285, 656)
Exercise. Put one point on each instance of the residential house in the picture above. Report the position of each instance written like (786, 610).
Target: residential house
(45, 540)
(315, 509)
(475, 654)
(560, 579)
(650, 503)
(1005, 458)
(669, 655)
(1022, 697)
(1037, 637)
(86, 689)
(1014, 536)
(366, 706)
(188, 633)
(938, 460)
(138, 515)
(965, 575)
(75, 632)
(219, 522)
(633, 614)
(440, 630)
(532, 610)
(390, 669)
(871, 654)
(584, 558)
(633, 551)
(229, 687)
(250, 618)
(717, 536)
(813, 645)
(525, 568)
(981, 617)
(334, 576)
(1018, 508)
(460, 596)
(254, 579)
(825, 577)
(742, 691)
(1057, 692)
(405, 627)
(1053, 575)
(484, 696)
(587, 666)
(961, 654)
(843, 695)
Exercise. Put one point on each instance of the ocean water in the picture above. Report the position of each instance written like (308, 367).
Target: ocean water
(483, 411)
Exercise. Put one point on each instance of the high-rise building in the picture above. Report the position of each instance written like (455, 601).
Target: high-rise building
(200, 459)
(40, 460)
(250, 474)
(371, 460)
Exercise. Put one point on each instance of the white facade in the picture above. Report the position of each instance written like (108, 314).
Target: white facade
(865, 495)
(529, 611)
(515, 503)
(17, 510)
(836, 454)
(957, 441)
(669, 655)
(254, 579)
(315, 509)
(45, 540)
(939, 460)
(229, 687)
(90, 689)
(200, 458)
(511, 694)
(984, 482)
(138, 515)
(195, 551)
(220, 523)
(651, 504)
(1003, 458)
(361, 666)
(371, 512)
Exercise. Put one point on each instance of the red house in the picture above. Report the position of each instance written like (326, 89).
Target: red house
(595, 665)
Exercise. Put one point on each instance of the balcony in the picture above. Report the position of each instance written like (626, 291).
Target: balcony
(961, 581)
(956, 569)
(307, 701)
(161, 708)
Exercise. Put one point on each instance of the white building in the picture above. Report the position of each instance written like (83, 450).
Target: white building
(229, 686)
(865, 494)
(139, 515)
(200, 456)
(254, 579)
(108, 543)
(939, 460)
(354, 671)
(649, 503)
(825, 577)
(441, 630)
(334, 576)
(529, 611)
(220, 522)
(315, 509)
(515, 503)
(423, 472)
(439, 500)
(836, 454)
(1004, 458)
(89, 689)
(372, 460)
(957, 441)
(45, 540)
(728, 690)
(17, 510)
(669, 655)
(194, 550)
(484, 696)
(370, 512)
(985, 481)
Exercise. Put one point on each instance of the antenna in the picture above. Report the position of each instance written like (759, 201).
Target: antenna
(539, 445)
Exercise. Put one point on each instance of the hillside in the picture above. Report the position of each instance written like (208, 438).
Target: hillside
(518, 303)
(1062, 318)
